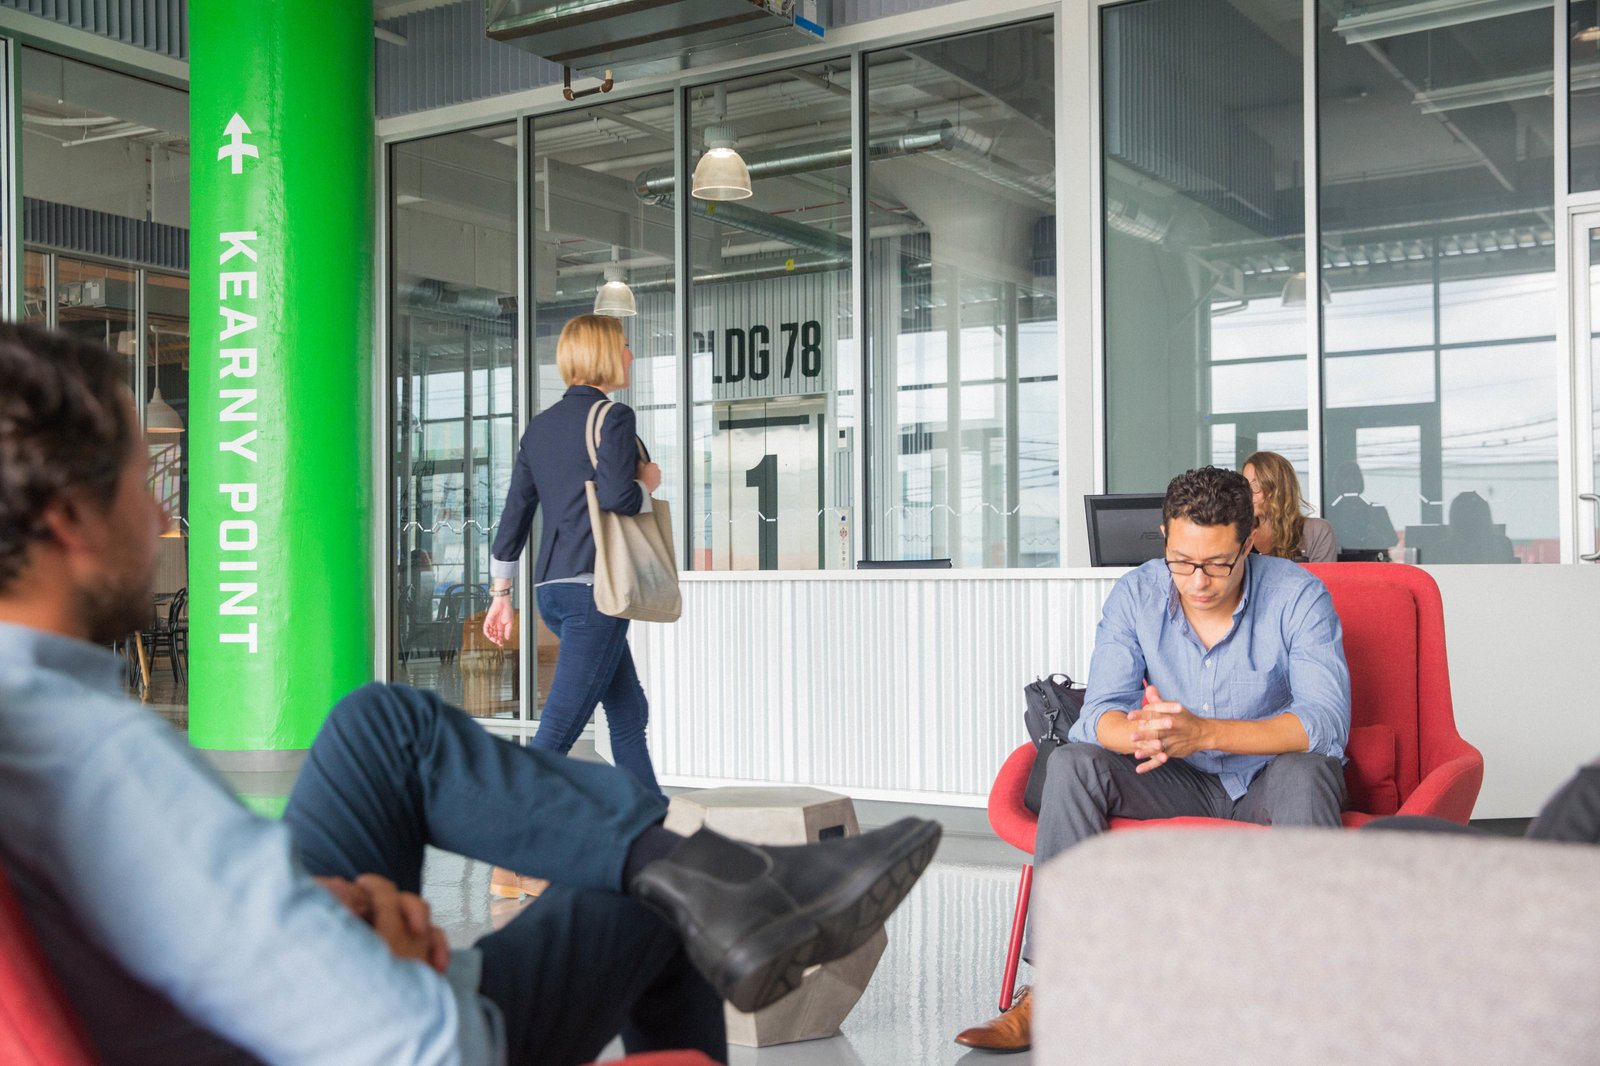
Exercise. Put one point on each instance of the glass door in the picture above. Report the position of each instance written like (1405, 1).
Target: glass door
(1586, 334)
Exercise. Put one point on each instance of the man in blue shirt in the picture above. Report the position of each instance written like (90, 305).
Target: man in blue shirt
(185, 929)
(1218, 689)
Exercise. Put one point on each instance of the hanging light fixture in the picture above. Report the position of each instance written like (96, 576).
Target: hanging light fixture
(614, 298)
(721, 174)
(1294, 290)
(1584, 25)
(159, 415)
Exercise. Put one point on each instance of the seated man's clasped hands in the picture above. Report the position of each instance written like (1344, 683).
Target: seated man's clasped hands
(1218, 688)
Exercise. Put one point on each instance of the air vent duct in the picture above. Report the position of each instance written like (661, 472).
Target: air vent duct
(649, 37)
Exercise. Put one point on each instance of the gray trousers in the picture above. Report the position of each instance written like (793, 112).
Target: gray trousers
(1087, 786)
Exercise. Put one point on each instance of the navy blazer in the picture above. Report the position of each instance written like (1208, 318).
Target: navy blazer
(552, 466)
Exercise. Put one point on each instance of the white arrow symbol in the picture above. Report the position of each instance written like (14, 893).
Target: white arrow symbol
(237, 149)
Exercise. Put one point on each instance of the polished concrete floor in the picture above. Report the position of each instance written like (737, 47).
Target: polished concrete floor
(941, 971)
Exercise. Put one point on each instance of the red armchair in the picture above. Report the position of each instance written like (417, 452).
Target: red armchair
(37, 1026)
(1405, 756)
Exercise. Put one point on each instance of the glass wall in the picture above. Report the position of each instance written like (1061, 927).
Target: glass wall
(102, 141)
(1583, 112)
(457, 405)
(1437, 192)
(594, 219)
(600, 211)
(773, 379)
(105, 175)
(1588, 284)
(1205, 294)
(1437, 302)
(962, 407)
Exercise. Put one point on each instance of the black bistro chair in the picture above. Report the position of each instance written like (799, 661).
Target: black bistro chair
(169, 635)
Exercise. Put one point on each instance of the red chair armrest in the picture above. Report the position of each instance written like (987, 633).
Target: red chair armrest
(1008, 815)
(1450, 789)
(662, 1058)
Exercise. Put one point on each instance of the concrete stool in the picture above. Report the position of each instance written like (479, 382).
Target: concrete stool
(786, 816)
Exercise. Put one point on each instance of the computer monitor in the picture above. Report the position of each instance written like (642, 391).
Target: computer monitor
(1125, 528)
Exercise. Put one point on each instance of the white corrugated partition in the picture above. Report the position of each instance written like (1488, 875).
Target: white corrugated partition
(878, 685)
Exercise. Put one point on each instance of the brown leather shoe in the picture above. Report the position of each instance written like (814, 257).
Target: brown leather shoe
(508, 884)
(1011, 1031)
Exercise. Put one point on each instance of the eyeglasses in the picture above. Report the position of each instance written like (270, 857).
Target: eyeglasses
(1183, 567)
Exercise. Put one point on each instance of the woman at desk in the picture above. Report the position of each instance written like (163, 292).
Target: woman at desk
(1282, 527)
(552, 467)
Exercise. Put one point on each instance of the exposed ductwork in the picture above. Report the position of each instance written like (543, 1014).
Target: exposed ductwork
(758, 222)
(430, 294)
(645, 37)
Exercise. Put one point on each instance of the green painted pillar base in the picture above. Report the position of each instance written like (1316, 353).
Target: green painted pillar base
(280, 564)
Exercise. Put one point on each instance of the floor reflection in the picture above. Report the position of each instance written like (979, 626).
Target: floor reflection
(941, 971)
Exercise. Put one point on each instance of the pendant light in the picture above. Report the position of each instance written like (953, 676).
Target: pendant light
(614, 298)
(721, 173)
(159, 415)
(1294, 290)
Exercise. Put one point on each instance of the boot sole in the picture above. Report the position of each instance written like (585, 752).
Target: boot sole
(768, 964)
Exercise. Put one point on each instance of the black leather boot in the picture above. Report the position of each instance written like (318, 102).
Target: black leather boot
(753, 918)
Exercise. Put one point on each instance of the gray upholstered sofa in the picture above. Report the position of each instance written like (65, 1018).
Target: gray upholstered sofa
(1317, 947)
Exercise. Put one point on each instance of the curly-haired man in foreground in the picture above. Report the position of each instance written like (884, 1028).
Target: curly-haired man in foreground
(185, 929)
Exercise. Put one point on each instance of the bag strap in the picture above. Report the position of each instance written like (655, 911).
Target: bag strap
(591, 431)
(1047, 687)
(1054, 687)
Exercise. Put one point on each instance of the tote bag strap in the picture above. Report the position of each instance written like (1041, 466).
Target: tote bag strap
(591, 431)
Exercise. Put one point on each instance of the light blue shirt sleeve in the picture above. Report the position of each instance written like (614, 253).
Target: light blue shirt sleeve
(1117, 667)
(233, 929)
(1319, 677)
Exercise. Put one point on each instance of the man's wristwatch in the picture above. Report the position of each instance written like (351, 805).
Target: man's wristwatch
(500, 592)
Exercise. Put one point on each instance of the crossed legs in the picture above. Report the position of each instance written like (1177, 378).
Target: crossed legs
(395, 769)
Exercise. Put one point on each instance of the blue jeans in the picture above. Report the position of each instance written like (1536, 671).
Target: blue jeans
(595, 666)
(395, 769)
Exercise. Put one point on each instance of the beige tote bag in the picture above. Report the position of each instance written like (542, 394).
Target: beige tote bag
(635, 568)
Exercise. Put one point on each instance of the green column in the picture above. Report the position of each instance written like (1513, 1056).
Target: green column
(280, 564)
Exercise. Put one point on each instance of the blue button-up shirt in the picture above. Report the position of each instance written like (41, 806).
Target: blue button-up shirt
(179, 923)
(1285, 652)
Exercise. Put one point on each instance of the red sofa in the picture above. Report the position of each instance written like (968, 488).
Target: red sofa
(1405, 756)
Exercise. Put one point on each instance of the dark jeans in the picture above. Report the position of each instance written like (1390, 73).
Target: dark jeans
(595, 666)
(395, 769)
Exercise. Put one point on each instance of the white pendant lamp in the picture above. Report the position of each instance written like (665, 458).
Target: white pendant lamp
(614, 298)
(159, 415)
(721, 173)
(1294, 290)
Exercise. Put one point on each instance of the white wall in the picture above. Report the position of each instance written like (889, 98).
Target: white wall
(886, 686)
(1524, 646)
